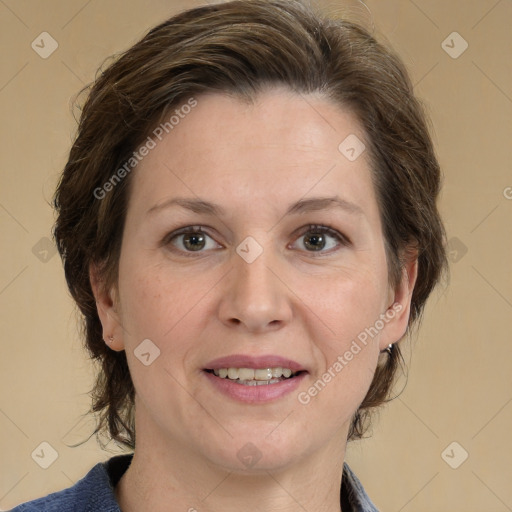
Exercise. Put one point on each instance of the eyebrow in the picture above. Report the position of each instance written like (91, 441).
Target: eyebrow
(300, 207)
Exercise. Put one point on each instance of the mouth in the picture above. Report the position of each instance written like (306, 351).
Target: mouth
(255, 376)
(254, 379)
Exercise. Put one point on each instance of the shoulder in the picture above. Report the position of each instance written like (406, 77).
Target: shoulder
(94, 492)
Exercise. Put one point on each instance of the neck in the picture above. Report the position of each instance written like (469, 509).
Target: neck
(166, 475)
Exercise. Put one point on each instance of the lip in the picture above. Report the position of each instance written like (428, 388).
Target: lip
(255, 362)
(254, 394)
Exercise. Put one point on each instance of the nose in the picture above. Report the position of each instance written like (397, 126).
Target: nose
(254, 297)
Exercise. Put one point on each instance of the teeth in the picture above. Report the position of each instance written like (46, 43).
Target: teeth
(265, 375)
(244, 374)
(258, 382)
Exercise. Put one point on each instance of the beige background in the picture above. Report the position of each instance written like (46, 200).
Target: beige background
(460, 382)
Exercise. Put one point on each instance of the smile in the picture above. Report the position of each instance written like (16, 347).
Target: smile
(256, 385)
(255, 379)
(255, 376)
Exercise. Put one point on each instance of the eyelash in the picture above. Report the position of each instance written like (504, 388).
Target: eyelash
(342, 240)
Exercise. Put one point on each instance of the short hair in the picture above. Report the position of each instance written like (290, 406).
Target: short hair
(243, 47)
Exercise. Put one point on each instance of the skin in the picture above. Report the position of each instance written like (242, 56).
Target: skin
(254, 160)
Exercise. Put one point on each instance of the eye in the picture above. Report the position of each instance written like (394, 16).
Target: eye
(191, 239)
(317, 238)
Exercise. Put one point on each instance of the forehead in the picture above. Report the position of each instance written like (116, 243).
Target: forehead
(274, 150)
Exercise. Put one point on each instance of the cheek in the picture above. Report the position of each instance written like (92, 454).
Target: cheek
(345, 324)
(346, 342)
(166, 308)
(337, 393)
(155, 300)
(347, 304)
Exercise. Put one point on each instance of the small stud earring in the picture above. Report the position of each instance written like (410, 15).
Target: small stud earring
(111, 339)
(388, 349)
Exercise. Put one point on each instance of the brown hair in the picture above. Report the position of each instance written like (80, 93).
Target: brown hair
(241, 47)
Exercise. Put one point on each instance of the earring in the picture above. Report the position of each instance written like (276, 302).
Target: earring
(388, 349)
(110, 339)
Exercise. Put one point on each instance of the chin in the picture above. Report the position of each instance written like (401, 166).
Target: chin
(253, 454)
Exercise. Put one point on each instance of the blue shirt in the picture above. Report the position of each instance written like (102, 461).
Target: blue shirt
(95, 492)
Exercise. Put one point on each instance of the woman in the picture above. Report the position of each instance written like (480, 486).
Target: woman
(248, 224)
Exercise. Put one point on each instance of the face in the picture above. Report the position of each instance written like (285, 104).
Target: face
(251, 241)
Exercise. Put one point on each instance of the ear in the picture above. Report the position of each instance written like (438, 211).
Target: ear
(107, 311)
(399, 302)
